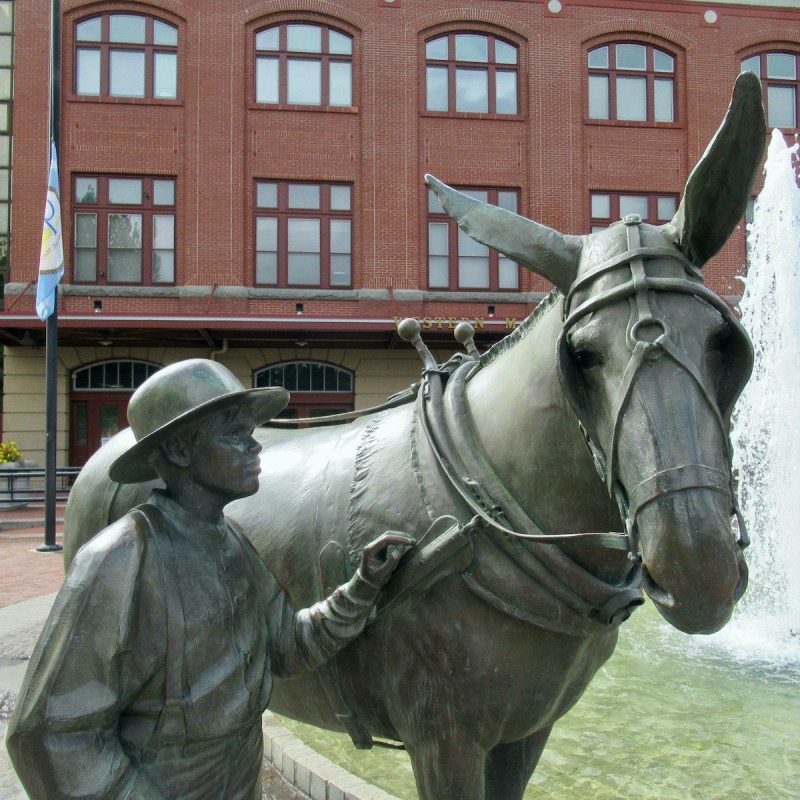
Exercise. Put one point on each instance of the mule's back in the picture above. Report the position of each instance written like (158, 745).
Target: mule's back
(344, 484)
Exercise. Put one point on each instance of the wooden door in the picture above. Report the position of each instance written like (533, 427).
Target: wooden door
(94, 418)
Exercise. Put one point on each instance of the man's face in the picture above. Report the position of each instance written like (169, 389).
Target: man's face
(225, 455)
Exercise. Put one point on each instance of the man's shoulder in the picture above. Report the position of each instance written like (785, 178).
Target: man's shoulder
(104, 578)
(125, 538)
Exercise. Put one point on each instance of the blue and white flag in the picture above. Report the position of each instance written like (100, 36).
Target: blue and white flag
(51, 260)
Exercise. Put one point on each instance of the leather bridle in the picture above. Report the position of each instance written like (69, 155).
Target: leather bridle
(645, 316)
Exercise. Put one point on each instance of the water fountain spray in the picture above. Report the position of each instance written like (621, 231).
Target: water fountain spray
(766, 425)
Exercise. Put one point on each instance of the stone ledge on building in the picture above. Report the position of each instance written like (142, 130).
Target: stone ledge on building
(256, 293)
(311, 774)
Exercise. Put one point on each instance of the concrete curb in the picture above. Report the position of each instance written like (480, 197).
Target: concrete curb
(310, 773)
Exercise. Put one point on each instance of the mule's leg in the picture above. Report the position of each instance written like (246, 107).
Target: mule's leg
(509, 766)
(446, 768)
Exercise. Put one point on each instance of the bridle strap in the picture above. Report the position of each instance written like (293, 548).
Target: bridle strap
(675, 285)
(636, 360)
(623, 258)
(676, 479)
(680, 358)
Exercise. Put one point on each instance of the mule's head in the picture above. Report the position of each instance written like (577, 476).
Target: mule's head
(652, 362)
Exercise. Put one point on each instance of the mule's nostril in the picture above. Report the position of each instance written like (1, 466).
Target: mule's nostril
(657, 593)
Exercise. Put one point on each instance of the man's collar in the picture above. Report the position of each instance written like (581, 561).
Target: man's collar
(183, 521)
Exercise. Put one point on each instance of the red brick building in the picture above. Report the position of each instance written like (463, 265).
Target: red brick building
(243, 180)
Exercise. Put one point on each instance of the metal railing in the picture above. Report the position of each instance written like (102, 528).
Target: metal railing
(26, 485)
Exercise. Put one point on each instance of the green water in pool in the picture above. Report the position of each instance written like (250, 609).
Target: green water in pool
(669, 716)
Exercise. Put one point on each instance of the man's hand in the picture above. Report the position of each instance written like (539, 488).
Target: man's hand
(381, 556)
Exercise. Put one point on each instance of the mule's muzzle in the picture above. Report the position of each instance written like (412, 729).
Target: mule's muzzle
(691, 615)
(694, 571)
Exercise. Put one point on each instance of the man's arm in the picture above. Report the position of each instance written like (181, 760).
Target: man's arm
(319, 632)
(62, 738)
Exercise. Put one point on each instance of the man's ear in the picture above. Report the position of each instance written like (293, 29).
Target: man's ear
(176, 451)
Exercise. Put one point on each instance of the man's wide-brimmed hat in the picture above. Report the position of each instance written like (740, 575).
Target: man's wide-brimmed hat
(179, 394)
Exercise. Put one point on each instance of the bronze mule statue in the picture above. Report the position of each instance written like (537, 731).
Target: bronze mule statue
(538, 545)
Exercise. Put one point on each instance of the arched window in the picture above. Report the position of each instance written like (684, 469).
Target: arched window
(629, 81)
(474, 73)
(780, 77)
(112, 376)
(126, 55)
(317, 388)
(303, 64)
(99, 403)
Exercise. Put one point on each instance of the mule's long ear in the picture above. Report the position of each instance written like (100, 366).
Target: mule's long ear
(535, 246)
(716, 194)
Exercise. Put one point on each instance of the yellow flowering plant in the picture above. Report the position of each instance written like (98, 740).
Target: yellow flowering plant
(9, 452)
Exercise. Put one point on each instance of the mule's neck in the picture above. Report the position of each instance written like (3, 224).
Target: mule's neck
(531, 437)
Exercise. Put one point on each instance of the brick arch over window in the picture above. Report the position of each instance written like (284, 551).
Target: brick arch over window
(173, 7)
(778, 66)
(645, 30)
(764, 39)
(479, 18)
(271, 11)
(317, 388)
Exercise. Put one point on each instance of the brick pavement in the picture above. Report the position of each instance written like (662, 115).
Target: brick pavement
(24, 572)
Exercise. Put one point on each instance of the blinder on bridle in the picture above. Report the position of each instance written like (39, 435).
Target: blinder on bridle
(736, 353)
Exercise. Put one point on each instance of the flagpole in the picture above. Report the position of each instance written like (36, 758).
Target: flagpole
(51, 329)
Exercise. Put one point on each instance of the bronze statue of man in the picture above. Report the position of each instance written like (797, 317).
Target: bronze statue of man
(155, 665)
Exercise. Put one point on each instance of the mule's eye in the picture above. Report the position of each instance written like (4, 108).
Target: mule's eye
(586, 359)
